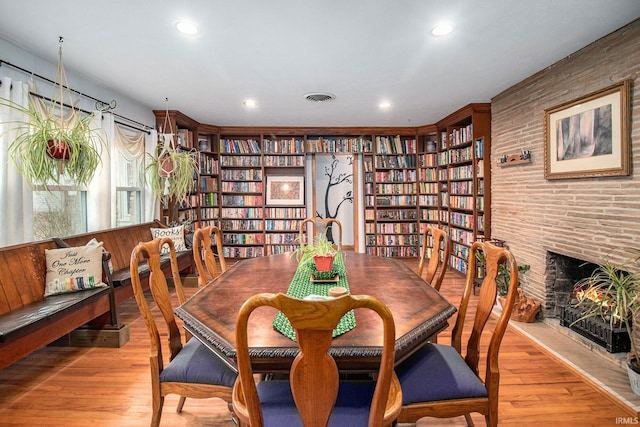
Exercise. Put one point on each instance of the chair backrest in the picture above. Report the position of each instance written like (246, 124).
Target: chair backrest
(322, 225)
(493, 257)
(150, 251)
(203, 255)
(314, 374)
(438, 241)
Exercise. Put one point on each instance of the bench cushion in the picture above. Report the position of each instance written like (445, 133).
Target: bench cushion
(38, 313)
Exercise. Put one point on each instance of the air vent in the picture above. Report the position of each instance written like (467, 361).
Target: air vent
(319, 97)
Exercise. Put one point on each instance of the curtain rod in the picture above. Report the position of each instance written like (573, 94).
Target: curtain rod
(107, 105)
(100, 105)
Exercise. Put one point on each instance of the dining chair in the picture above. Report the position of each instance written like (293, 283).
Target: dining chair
(314, 395)
(322, 225)
(203, 255)
(437, 380)
(191, 369)
(436, 247)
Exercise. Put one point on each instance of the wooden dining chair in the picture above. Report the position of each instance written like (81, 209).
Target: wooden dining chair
(203, 255)
(437, 380)
(436, 247)
(191, 369)
(322, 225)
(314, 395)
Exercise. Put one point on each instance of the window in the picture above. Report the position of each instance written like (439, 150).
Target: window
(128, 190)
(60, 210)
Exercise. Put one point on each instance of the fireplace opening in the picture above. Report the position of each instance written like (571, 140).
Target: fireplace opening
(563, 272)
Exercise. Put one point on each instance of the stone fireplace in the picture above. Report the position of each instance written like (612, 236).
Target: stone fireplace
(562, 273)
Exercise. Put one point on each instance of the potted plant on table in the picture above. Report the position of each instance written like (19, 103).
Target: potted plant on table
(320, 251)
(613, 295)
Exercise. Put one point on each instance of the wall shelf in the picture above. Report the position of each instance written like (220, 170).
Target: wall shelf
(516, 159)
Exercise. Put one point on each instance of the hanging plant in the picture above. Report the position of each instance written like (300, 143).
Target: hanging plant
(171, 171)
(49, 145)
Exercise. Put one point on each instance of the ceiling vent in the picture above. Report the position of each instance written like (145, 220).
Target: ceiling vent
(319, 96)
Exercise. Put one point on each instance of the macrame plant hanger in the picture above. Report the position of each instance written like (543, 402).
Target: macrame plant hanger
(166, 163)
(58, 149)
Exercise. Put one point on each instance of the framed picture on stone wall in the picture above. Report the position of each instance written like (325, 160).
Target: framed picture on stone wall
(589, 136)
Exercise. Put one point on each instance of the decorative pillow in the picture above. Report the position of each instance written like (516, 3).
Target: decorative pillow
(73, 269)
(174, 233)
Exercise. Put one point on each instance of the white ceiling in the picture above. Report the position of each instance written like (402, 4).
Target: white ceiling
(363, 51)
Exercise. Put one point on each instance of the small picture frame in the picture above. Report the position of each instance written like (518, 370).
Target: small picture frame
(285, 190)
(589, 136)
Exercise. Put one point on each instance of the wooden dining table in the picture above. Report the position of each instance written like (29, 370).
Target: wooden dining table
(418, 309)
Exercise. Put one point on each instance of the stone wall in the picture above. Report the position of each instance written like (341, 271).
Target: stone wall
(586, 218)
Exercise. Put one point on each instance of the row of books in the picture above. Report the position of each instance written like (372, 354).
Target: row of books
(396, 188)
(242, 225)
(242, 238)
(284, 146)
(285, 213)
(338, 145)
(282, 224)
(242, 174)
(395, 161)
(461, 135)
(284, 161)
(461, 187)
(242, 251)
(396, 214)
(234, 161)
(395, 145)
(393, 251)
(209, 165)
(242, 187)
(397, 228)
(241, 200)
(402, 175)
(281, 238)
(239, 146)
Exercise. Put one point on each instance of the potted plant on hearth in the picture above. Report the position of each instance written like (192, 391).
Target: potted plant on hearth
(613, 295)
(320, 251)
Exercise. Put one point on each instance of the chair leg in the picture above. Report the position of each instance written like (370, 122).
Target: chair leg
(157, 410)
(180, 404)
(469, 420)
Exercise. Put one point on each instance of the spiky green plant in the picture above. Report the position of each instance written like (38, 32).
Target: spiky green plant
(185, 170)
(29, 150)
(617, 294)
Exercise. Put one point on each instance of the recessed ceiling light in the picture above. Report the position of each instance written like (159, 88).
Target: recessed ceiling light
(384, 105)
(442, 30)
(319, 96)
(188, 28)
(249, 103)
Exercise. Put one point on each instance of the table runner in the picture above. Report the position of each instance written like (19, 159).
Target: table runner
(302, 286)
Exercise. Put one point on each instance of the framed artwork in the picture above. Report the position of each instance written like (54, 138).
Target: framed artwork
(285, 190)
(589, 136)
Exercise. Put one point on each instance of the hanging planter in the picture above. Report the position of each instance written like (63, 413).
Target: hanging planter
(49, 144)
(171, 171)
(58, 150)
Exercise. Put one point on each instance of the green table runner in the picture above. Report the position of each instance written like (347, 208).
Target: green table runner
(302, 286)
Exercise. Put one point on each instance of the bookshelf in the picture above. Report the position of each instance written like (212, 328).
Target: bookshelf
(284, 157)
(390, 197)
(209, 185)
(464, 179)
(242, 199)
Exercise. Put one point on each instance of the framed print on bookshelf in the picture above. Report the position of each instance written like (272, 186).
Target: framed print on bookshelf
(589, 136)
(285, 190)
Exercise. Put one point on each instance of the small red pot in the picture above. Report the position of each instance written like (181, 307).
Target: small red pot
(166, 167)
(324, 263)
(58, 150)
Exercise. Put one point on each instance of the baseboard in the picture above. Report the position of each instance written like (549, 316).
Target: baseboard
(85, 337)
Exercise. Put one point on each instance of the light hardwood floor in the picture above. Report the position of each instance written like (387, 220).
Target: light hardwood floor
(98, 387)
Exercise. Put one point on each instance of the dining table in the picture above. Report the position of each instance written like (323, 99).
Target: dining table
(419, 311)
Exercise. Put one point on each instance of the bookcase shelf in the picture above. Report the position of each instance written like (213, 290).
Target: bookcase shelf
(464, 179)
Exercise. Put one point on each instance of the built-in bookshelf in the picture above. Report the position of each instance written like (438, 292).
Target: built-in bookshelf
(463, 179)
(412, 177)
(390, 197)
(284, 156)
(209, 184)
(242, 197)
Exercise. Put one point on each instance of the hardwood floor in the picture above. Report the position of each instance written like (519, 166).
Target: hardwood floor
(59, 386)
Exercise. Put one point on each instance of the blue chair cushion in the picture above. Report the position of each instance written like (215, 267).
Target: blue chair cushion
(196, 364)
(351, 408)
(437, 372)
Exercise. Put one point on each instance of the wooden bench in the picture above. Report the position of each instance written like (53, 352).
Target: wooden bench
(28, 321)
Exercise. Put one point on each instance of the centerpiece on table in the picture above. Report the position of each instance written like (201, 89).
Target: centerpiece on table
(320, 254)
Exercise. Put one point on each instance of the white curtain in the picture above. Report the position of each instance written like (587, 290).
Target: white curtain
(16, 208)
(151, 204)
(100, 193)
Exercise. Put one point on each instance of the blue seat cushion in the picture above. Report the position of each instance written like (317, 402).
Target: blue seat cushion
(437, 372)
(351, 408)
(197, 364)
